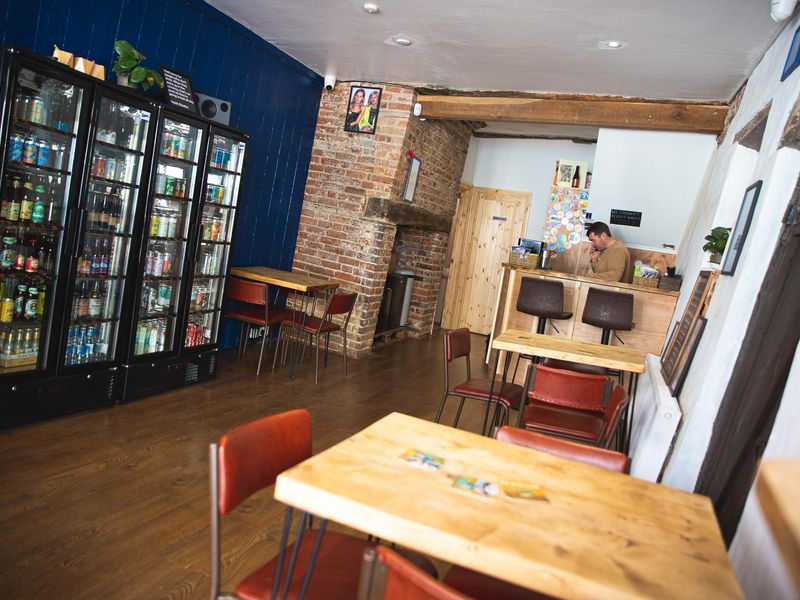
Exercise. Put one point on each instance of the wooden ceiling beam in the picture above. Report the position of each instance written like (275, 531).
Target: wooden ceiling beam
(600, 112)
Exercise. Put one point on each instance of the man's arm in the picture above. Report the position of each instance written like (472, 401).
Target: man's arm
(610, 266)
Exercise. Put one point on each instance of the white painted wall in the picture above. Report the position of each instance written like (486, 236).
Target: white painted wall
(755, 556)
(522, 165)
(655, 172)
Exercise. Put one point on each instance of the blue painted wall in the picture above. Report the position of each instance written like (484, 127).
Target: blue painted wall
(274, 98)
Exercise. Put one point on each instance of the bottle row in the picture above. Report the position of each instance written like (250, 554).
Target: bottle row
(223, 158)
(21, 301)
(97, 257)
(94, 300)
(114, 169)
(34, 199)
(159, 260)
(19, 346)
(209, 262)
(170, 185)
(214, 226)
(197, 332)
(26, 252)
(87, 343)
(156, 298)
(122, 125)
(177, 144)
(202, 297)
(53, 106)
(150, 336)
(165, 222)
(38, 152)
(105, 210)
(215, 194)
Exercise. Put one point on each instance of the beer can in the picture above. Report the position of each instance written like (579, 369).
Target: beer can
(166, 267)
(40, 304)
(57, 156)
(219, 156)
(149, 268)
(166, 143)
(29, 150)
(169, 186)
(182, 144)
(37, 110)
(163, 226)
(161, 181)
(157, 265)
(121, 166)
(154, 224)
(172, 226)
(99, 166)
(6, 310)
(15, 145)
(176, 146)
(43, 153)
(111, 168)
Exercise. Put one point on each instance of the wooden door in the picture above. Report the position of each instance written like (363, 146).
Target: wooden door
(487, 223)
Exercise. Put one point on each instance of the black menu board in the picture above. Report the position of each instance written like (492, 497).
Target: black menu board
(631, 218)
(180, 92)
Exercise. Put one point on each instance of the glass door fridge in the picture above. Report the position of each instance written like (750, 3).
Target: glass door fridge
(108, 228)
(167, 227)
(214, 234)
(42, 117)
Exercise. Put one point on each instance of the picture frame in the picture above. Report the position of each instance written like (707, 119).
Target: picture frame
(793, 58)
(678, 377)
(739, 233)
(363, 108)
(414, 165)
(566, 171)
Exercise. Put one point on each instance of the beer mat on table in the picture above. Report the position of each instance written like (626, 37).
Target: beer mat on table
(522, 490)
(474, 485)
(422, 460)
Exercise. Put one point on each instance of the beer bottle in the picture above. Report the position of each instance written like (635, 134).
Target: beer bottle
(576, 178)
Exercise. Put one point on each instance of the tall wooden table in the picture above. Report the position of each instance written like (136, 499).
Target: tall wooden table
(599, 355)
(307, 286)
(598, 535)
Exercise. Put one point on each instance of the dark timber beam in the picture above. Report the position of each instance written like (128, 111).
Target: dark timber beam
(583, 110)
(402, 213)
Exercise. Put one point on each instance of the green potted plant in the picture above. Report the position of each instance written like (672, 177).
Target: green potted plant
(129, 70)
(716, 241)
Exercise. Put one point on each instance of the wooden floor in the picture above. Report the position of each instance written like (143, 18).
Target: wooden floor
(114, 503)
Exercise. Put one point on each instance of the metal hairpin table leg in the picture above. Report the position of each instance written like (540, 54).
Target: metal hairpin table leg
(287, 523)
(629, 410)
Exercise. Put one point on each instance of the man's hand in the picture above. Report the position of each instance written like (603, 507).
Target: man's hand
(594, 253)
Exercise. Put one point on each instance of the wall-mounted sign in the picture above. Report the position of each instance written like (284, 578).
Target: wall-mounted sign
(180, 92)
(631, 218)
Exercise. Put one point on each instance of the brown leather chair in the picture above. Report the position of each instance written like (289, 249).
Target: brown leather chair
(586, 408)
(542, 298)
(457, 344)
(611, 311)
(386, 575)
(480, 586)
(254, 309)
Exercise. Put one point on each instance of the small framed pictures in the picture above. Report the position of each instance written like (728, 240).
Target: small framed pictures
(362, 109)
(411, 179)
(793, 59)
(739, 233)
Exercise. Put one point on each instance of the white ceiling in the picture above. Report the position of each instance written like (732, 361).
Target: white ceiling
(677, 49)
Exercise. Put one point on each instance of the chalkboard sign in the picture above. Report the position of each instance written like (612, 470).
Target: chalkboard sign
(678, 354)
(180, 92)
(630, 218)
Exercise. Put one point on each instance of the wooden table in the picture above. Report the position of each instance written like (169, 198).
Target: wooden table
(599, 535)
(300, 283)
(589, 353)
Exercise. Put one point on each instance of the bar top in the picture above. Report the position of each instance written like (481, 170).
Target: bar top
(592, 280)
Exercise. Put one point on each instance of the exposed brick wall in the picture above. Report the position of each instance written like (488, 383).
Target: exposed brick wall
(336, 241)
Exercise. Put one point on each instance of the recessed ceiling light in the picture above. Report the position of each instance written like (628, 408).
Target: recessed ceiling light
(371, 8)
(402, 41)
(611, 44)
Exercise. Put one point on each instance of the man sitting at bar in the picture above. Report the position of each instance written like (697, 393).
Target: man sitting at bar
(609, 258)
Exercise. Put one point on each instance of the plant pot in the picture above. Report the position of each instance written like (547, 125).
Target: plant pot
(715, 257)
(122, 80)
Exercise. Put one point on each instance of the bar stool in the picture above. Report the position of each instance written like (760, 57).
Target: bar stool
(543, 299)
(611, 311)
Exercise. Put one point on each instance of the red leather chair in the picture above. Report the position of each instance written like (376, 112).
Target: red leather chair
(249, 458)
(578, 406)
(479, 586)
(339, 303)
(386, 575)
(457, 344)
(254, 310)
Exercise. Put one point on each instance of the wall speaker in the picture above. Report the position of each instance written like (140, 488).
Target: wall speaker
(214, 108)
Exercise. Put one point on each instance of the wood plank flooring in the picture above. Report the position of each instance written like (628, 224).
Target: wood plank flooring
(114, 503)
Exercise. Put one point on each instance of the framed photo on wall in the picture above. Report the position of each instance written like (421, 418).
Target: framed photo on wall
(362, 109)
(411, 179)
(739, 233)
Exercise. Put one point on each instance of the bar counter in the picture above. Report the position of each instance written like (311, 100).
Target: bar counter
(652, 309)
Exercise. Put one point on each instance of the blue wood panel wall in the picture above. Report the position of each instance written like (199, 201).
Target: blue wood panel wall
(274, 98)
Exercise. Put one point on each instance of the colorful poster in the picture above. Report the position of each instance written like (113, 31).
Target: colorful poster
(563, 227)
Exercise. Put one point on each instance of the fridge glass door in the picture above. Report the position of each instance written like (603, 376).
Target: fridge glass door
(38, 170)
(218, 212)
(116, 171)
(166, 235)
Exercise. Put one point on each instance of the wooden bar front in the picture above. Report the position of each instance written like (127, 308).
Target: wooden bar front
(652, 309)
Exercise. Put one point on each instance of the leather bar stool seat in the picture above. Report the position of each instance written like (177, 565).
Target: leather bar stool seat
(557, 363)
(542, 298)
(611, 311)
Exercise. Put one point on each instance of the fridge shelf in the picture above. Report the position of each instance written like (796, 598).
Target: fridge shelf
(22, 123)
(162, 277)
(33, 169)
(113, 182)
(171, 198)
(91, 320)
(13, 325)
(182, 161)
(215, 243)
(100, 276)
(108, 233)
(27, 277)
(155, 316)
(117, 147)
(201, 276)
(34, 227)
(221, 170)
(203, 312)
(165, 239)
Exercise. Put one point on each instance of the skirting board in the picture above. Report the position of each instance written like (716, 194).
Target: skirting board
(655, 421)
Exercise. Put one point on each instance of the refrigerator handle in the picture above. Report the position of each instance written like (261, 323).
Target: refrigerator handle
(76, 252)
